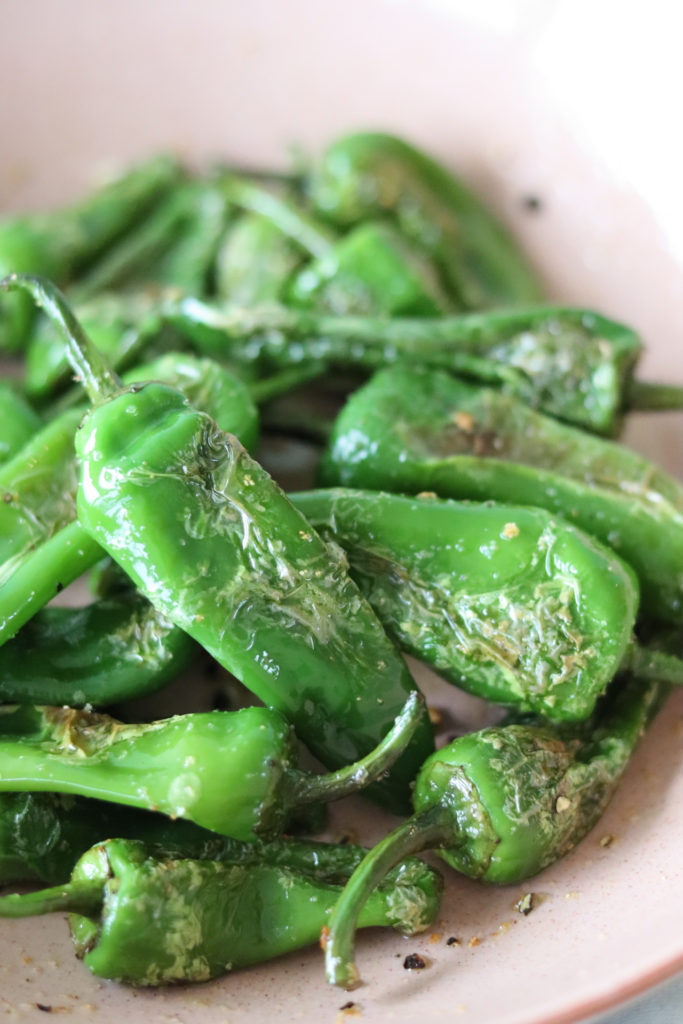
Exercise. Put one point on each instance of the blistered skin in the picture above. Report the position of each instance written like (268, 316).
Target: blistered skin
(504, 601)
(214, 544)
(218, 769)
(165, 921)
(413, 431)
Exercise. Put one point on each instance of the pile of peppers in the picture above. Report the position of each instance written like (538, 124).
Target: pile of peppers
(470, 506)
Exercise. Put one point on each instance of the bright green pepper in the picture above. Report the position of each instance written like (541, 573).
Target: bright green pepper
(18, 421)
(367, 175)
(409, 430)
(212, 541)
(507, 602)
(147, 919)
(255, 261)
(501, 804)
(230, 771)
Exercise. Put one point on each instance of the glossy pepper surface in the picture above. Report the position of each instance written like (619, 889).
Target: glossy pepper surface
(232, 772)
(409, 430)
(212, 541)
(507, 602)
(503, 803)
(147, 919)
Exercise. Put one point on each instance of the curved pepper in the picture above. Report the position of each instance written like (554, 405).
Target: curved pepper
(230, 771)
(501, 804)
(148, 919)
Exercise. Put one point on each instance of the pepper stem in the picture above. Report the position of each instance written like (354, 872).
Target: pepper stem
(84, 897)
(311, 789)
(294, 223)
(644, 396)
(646, 663)
(421, 832)
(90, 367)
(267, 388)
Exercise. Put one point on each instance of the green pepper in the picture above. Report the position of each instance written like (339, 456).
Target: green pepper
(233, 772)
(145, 919)
(42, 546)
(501, 804)
(18, 421)
(410, 430)
(506, 602)
(114, 649)
(255, 261)
(62, 243)
(367, 175)
(206, 534)
(570, 363)
(42, 835)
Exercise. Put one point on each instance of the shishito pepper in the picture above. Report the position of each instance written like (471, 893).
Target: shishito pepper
(212, 541)
(370, 174)
(230, 771)
(147, 919)
(503, 803)
(18, 421)
(507, 602)
(414, 430)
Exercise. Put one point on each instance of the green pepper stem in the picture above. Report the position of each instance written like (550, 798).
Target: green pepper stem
(83, 897)
(421, 832)
(280, 383)
(292, 222)
(644, 396)
(90, 367)
(312, 789)
(646, 663)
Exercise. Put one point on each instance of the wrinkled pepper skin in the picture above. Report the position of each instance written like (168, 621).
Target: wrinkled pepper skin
(153, 920)
(501, 804)
(209, 538)
(114, 649)
(367, 175)
(506, 602)
(409, 430)
(255, 262)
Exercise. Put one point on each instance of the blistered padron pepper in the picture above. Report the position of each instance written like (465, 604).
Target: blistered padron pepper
(409, 430)
(212, 541)
(230, 771)
(501, 804)
(143, 918)
(507, 602)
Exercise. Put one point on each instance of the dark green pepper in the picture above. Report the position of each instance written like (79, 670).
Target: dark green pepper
(507, 602)
(233, 772)
(206, 534)
(501, 804)
(410, 430)
(145, 919)
(114, 649)
(366, 175)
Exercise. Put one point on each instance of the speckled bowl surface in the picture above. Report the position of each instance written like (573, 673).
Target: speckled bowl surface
(526, 98)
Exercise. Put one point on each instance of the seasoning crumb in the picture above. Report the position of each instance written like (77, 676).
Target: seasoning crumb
(452, 940)
(435, 937)
(463, 420)
(414, 962)
(510, 530)
(434, 715)
(474, 941)
(324, 936)
(606, 840)
(526, 904)
(44, 1008)
(562, 804)
(426, 494)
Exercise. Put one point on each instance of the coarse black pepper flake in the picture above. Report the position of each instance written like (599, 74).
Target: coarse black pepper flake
(44, 1008)
(414, 962)
(452, 940)
(348, 1006)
